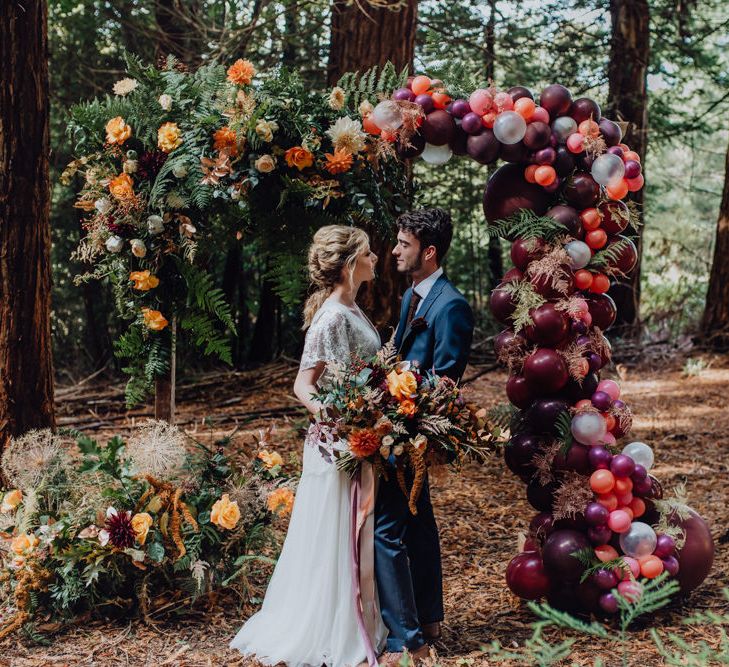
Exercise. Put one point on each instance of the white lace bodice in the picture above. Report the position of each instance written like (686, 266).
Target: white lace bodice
(336, 333)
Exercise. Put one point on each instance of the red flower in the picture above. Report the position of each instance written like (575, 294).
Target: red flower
(364, 443)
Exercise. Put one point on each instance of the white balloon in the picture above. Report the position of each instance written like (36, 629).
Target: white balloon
(641, 453)
(639, 541)
(589, 428)
(436, 154)
(563, 127)
(509, 127)
(608, 169)
(387, 116)
(579, 253)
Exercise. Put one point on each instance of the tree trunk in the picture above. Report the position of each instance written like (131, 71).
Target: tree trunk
(164, 386)
(359, 41)
(263, 340)
(627, 101)
(26, 364)
(715, 323)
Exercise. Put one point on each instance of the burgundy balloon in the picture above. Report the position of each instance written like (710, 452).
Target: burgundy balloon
(483, 147)
(524, 251)
(517, 92)
(519, 453)
(582, 191)
(576, 391)
(569, 217)
(627, 254)
(585, 161)
(596, 514)
(609, 603)
(622, 466)
(459, 108)
(601, 400)
(696, 556)
(559, 562)
(537, 135)
(665, 546)
(556, 99)
(599, 535)
(526, 577)
(543, 414)
(616, 150)
(576, 459)
(541, 525)
(671, 565)
(614, 216)
(517, 152)
(588, 595)
(471, 123)
(610, 131)
(605, 579)
(416, 147)
(585, 108)
(404, 94)
(564, 163)
(513, 275)
(603, 310)
(632, 169)
(507, 192)
(546, 156)
(639, 473)
(600, 457)
(502, 304)
(506, 339)
(438, 127)
(541, 497)
(519, 392)
(594, 360)
(425, 101)
(459, 142)
(545, 371)
(642, 487)
(550, 326)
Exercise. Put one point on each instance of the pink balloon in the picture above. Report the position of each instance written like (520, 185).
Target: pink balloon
(481, 101)
(630, 590)
(619, 521)
(503, 101)
(576, 142)
(634, 566)
(581, 306)
(587, 319)
(635, 184)
(609, 439)
(610, 387)
(540, 114)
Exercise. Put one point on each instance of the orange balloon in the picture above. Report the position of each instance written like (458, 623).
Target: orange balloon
(638, 507)
(627, 510)
(441, 100)
(623, 485)
(624, 498)
(389, 136)
(635, 184)
(583, 279)
(488, 119)
(650, 566)
(631, 155)
(608, 500)
(600, 285)
(617, 191)
(589, 128)
(420, 84)
(605, 553)
(596, 239)
(545, 175)
(529, 173)
(369, 125)
(584, 403)
(590, 218)
(625, 147)
(602, 481)
(525, 106)
(609, 419)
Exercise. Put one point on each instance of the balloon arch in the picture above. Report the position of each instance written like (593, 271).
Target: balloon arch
(602, 525)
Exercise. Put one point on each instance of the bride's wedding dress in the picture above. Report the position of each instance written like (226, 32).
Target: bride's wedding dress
(308, 617)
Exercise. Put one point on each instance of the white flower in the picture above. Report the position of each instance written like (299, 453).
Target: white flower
(265, 129)
(384, 451)
(114, 244)
(103, 205)
(124, 86)
(388, 441)
(179, 170)
(130, 166)
(104, 537)
(346, 134)
(337, 98)
(365, 108)
(265, 164)
(138, 248)
(419, 441)
(92, 176)
(397, 450)
(155, 224)
(165, 101)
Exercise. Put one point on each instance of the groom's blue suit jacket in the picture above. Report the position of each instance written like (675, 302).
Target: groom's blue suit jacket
(443, 341)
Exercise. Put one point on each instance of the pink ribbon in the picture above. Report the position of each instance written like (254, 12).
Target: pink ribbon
(362, 497)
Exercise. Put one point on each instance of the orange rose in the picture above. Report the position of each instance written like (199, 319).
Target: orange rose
(154, 319)
(241, 72)
(402, 385)
(143, 280)
(226, 140)
(299, 157)
(225, 513)
(117, 131)
(141, 523)
(11, 500)
(122, 186)
(24, 543)
(407, 408)
(270, 459)
(281, 501)
(168, 137)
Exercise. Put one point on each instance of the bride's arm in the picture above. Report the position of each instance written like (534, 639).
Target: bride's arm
(305, 387)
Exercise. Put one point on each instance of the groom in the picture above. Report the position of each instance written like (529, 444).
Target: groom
(436, 328)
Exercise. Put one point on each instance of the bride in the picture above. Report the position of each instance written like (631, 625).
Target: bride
(312, 615)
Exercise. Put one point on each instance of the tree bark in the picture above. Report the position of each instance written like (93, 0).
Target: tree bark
(715, 322)
(628, 101)
(359, 41)
(264, 334)
(26, 364)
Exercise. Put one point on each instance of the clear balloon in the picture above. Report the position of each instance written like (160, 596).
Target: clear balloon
(387, 116)
(579, 253)
(436, 154)
(588, 428)
(639, 540)
(641, 453)
(510, 127)
(608, 169)
(563, 127)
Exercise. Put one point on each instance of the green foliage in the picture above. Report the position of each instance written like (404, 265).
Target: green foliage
(525, 224)
(365, 86)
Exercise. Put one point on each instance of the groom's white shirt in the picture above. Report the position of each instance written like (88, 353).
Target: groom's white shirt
(424, 286)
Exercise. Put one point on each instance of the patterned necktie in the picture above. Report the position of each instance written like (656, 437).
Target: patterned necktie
(414, 301)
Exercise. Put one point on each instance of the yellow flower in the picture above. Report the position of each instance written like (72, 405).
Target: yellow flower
(225, 513)
(265, 129)
(143, 280)
(141, 523)
(281, 501)
(226, 140)
(265, 164)
(122, 186)
(117, 131)
(241, 72)
(168, 137)
(299, 157)
(270, 459)
(24, 543)
(154, 319)
(402, 385)
(11, 500)
(338, 162)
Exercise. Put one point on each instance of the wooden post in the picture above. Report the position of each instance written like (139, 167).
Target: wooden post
(164, 387)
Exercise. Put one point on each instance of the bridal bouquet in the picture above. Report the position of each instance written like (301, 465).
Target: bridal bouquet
(384, 409)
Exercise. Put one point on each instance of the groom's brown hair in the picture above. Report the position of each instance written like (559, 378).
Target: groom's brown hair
(431, 226)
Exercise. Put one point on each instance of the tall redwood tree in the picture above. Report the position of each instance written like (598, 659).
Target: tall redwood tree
(26, 365)
(362, 36)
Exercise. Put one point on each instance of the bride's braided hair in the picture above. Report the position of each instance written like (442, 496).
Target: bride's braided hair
(334, 248)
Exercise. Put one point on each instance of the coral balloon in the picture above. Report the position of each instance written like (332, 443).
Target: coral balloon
(651, 567)
(420, 84)
(525, 106)
(480, 101)
(618, 190)
(529, 173)
(596, 239)
(369, 125)
(605, 553)
(583, 279)
(545, 175)
(602, 481)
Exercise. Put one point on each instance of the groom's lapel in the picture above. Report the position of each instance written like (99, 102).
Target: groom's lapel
(424, 307)
(407, 297)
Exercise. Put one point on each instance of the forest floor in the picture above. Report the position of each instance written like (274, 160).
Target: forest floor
(480, 514)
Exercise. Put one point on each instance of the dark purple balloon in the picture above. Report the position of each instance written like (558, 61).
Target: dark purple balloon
(519, 453)
(582, 191)
(616, 150)
(615, 216)
(555, 185)
(525, 576)
(545, 156)
(438, 127)
(546, 371)
(603, 310)
(595, 362)
(632, 169)
(425, 101)
(583, 341)
(416, 147)
(585, 161)
(513, 275)
(600, 458)
(610, 131)
(576, 391)
(543, 415)
(471, 123)
(665, 546)
(622, 466)
(517, 92)
(605, 579)
(404, 94)
(519, 391)
(549, 325)
(541, 497)
(578, 326)
(459, 108)
(508, 338)
(599, 535)
(483, 147)
(642, 487)
(556, 99)
(585, 108)
(671, 565)
(696, 556)
(541, 525)
(507, 192)
(524, 251)
(601, 400)
(517, 152)
(639, 473)
(537, 135)
(559, 562)
(596, 514)
(459, 142)
(609, 603)
(502, 304)
(564, 163)
(576, 459)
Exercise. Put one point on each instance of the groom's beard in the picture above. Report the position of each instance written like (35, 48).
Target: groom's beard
(409, 269)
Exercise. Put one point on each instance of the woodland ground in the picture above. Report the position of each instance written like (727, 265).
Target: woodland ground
(480, 513)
